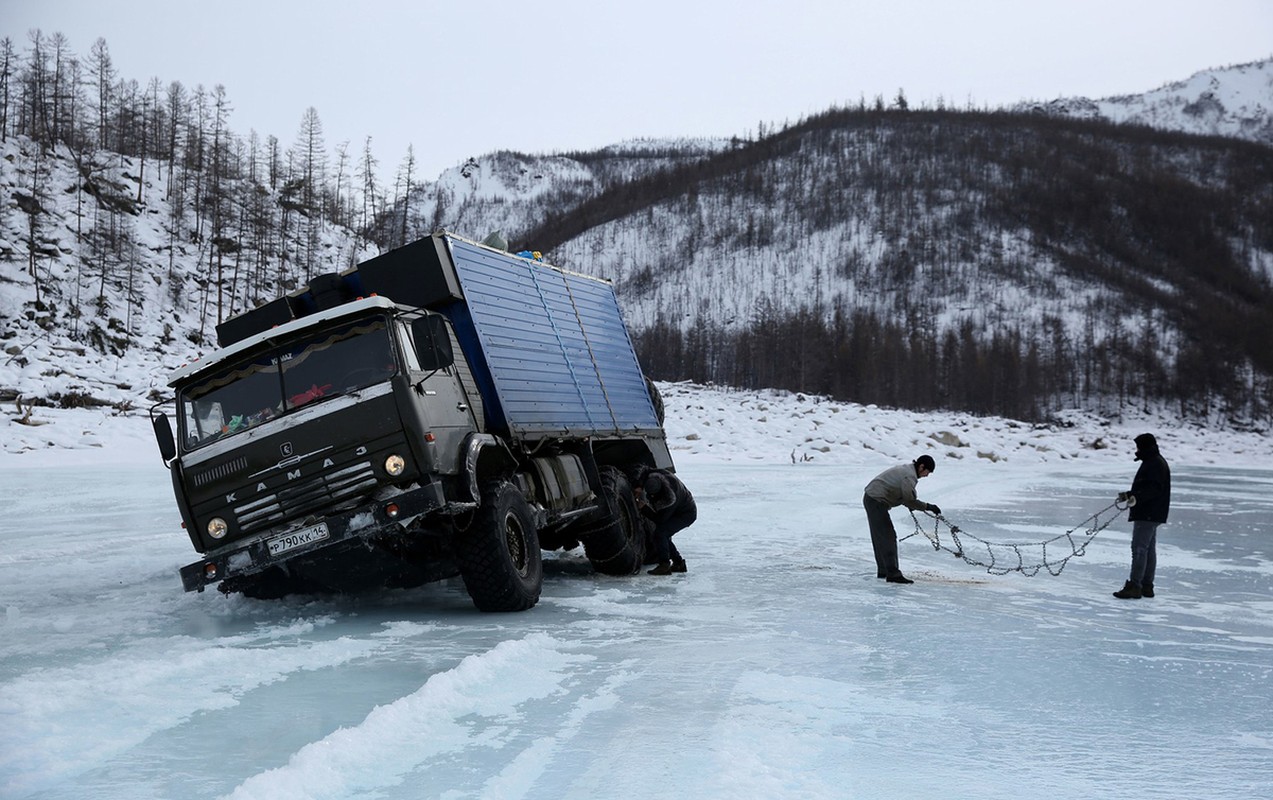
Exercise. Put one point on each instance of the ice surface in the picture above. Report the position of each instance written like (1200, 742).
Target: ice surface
(777, 667)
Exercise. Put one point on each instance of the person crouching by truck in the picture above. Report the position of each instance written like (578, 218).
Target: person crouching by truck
(670, 506)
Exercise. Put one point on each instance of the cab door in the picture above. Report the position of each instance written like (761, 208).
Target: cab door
(438, 387)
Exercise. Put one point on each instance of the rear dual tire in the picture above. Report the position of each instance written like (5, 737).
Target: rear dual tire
(618, 547)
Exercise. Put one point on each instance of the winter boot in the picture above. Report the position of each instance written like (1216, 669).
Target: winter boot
(678, 565)
(664, 568)
(898, 578)
(1146, 590)
(1130, 591)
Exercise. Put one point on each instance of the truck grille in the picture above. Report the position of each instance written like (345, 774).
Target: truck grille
(216, 473)
(306, 496)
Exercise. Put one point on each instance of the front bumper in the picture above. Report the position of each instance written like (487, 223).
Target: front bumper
(251, 556)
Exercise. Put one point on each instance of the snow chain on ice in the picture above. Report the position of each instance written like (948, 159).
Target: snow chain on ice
(1052, 554)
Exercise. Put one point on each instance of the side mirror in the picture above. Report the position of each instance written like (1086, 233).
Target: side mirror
(432, 342)
(163, 436)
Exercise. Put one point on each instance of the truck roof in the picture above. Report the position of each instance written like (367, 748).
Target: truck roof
(218, 357)
(556, 356)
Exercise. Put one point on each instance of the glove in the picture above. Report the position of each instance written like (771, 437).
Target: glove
(1122, 496)
(934, 509)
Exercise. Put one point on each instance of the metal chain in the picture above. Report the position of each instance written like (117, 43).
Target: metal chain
(1012, 557)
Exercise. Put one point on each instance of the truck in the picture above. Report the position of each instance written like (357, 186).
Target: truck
(445, 408)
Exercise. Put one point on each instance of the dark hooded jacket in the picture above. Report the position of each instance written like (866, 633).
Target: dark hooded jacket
(1152, 484)
(666, 495)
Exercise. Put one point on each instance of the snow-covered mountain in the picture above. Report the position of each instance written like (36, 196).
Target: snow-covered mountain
(975, 230)
(508, 192)
(1126, 260)
(1232, 101)
(1074, 239)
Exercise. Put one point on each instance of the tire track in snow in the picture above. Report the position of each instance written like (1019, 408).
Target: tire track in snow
(48, 715)
(525, 770)
(397, 739)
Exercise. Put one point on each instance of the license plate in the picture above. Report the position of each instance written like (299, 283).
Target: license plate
(295, 539)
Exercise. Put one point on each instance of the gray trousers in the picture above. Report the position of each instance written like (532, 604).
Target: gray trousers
(883, 536)
(1144, 552)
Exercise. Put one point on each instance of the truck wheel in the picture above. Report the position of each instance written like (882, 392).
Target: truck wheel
(499, 556)
(617, 548)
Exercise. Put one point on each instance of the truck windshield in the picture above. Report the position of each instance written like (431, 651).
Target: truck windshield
(295, 374)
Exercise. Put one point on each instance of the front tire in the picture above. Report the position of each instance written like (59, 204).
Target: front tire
(499, 556)
(618, 547)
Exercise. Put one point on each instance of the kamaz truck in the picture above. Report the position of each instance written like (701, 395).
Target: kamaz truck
(443, 409)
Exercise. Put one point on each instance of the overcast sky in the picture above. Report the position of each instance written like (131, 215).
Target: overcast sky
(466, 77)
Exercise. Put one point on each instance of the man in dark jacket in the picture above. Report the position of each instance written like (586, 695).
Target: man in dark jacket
(664, 499)
(1149, 499)
(894, 487)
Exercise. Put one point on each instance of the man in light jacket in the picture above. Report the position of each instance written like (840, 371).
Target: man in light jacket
(894, 487)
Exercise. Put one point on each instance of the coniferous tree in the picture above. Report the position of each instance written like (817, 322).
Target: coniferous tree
(408, 169)
(370, 191)
(311, 168)
(337, 211)
(8, 66)
(61, 89)
(37, 109)
(178, 123)
(102, 73)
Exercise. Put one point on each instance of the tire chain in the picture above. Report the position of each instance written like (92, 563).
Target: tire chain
(956, 540)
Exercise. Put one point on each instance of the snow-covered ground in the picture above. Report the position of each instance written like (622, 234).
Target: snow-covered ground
(778, 667)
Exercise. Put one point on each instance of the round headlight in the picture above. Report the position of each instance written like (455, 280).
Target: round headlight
(395, 465)
(217, 528)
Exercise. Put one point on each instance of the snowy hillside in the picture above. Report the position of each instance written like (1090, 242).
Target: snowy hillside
(510, 192)
(86, 324)
(1112, 254)
(1232, 101)
(1090, 268)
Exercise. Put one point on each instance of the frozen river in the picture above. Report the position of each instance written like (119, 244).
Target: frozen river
(778, 667)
